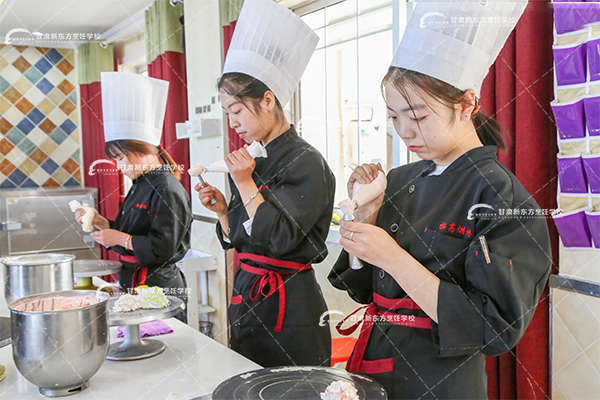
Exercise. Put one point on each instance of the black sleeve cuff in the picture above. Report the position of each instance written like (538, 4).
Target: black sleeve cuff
(460, 328)
(225, 245)
(265, 218)
(357, 282)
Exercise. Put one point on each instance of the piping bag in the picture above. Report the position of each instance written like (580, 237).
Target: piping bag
(88, 217)
(362, 194)
(255, 149)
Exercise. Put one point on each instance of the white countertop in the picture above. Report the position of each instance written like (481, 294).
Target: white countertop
(191, 363)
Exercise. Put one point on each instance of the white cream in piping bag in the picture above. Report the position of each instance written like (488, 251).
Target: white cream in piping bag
(88, 217)
(255, 149)
(362, 194)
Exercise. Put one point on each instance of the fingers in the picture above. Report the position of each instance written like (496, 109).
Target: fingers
(360, 174)
(239, 157)
(243, 153)
(348, 226)
(372, 170)
(207, 200)
(364, 174)
(347, 234)
(228, 161)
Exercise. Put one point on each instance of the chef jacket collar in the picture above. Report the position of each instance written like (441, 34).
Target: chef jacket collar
(288, 136)
(152, 174)
(465, 161)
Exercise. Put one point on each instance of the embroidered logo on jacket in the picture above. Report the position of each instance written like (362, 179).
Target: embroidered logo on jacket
(455, 228)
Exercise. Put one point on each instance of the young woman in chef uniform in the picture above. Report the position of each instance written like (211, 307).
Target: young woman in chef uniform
(449, 277)
(280, 209)
(151, 232)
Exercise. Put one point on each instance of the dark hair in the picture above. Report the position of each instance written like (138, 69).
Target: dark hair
(247, 89)
(128, 147)
(488, 129)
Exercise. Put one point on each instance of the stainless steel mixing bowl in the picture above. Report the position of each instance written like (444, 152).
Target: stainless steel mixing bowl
(59, 351)
(37, 273)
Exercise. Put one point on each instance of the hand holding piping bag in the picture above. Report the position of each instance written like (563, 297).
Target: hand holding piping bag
(198, 170)
(370, 181)
(211, 197)
(370, 193)
(84, 214)
(255, 149)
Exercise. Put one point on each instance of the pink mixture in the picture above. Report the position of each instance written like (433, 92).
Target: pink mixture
(56, 303)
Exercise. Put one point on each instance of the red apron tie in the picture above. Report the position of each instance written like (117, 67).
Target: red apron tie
(139, 272)
(271, 278)
(368, 320)
(353, 364)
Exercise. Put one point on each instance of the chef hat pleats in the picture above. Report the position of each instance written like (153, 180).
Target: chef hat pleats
(271, 44)
(457, 41)
(133, 107)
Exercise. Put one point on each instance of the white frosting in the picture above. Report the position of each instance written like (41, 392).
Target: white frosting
(126, 303)
(340, 390)
(347, 206)
(197, 169)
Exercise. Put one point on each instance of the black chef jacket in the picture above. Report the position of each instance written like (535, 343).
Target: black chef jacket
(158, 216)
(483, 308)
(291, 224)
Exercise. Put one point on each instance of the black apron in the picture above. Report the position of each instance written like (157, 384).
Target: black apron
(157, 213)
(489, 287)
(277, 312)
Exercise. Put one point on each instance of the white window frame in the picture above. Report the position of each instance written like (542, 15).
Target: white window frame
(400, 153)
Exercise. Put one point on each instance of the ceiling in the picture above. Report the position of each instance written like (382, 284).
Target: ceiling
(67, 16)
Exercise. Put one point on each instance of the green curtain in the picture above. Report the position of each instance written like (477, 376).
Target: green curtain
(229, 10)
(163, 29)
(93, 59)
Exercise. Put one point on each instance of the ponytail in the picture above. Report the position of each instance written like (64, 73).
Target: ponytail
(169, 162)
(488, 130)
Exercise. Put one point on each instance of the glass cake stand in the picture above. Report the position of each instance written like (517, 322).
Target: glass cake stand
(133, 347)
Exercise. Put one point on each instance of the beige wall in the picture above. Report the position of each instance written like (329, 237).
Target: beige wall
(576, 331)
(576, 346)
(203, 63)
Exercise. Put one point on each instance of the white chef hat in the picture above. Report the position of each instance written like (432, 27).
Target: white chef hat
(457, 41)
(271, 44)
(133, 107)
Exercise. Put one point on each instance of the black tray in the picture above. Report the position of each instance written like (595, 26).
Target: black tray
(294, 383)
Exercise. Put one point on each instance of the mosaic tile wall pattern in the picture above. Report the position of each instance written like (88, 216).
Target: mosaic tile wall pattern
(39, 120)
